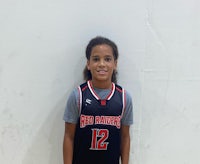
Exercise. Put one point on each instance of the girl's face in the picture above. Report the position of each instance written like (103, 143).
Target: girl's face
(101, 64)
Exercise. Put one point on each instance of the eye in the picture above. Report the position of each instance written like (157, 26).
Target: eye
(108, 59)
(95, 59)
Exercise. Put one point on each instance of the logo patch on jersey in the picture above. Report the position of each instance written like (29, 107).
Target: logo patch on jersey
(88, 101)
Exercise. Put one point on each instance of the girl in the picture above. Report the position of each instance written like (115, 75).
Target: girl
(99, 112)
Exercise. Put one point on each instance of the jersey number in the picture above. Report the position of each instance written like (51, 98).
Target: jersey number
(99, 137)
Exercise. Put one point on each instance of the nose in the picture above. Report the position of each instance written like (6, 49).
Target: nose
(101, 62)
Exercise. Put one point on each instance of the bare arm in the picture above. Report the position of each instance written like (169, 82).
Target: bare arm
(68, 143)
(125, 144)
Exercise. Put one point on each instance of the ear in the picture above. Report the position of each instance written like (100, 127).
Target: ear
(88, 64)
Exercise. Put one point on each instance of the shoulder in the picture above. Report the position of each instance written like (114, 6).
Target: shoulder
(127, 94)
(76, 91)
(127, 118)
(118, 87)
(83, 84)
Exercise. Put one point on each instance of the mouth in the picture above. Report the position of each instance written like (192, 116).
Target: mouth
(102, 72)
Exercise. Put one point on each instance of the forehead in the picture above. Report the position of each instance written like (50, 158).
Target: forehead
(102, 49)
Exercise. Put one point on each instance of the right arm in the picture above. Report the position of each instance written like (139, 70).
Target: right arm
(68, 143)
(70, 117)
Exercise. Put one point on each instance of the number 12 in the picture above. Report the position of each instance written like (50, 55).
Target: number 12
(99, 136)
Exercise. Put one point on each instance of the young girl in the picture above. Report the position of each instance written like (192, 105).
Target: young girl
(99, 112)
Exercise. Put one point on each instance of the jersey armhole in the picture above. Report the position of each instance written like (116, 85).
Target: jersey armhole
(79, 100)
(123, 101)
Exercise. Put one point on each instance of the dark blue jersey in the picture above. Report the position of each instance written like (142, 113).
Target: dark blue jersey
(97, 137)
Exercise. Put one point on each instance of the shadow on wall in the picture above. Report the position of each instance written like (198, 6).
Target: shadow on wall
(46, 147)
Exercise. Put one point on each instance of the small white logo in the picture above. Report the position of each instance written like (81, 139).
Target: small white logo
(88, 101)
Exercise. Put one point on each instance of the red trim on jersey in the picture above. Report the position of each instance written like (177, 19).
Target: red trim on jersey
(103, 102)
(112, 92)
(119, 89)
(84, 88)
(92, 90)
(96, 95)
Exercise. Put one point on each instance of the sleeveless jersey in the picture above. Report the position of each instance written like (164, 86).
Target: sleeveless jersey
(97, 136)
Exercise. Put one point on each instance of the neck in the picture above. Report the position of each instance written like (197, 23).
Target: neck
(101, 84)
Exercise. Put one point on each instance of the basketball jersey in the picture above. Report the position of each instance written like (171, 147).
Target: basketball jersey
(97, 136)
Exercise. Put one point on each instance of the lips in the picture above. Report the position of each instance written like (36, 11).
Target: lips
(102, 72)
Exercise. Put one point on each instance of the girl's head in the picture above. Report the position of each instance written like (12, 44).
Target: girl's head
(92, 45)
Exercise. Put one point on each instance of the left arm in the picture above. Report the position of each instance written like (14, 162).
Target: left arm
(125, 144)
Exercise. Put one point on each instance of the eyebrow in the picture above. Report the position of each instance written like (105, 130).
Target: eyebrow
(94, 56)
(108, 55)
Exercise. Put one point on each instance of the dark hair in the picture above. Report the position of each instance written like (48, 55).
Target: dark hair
(99, 40)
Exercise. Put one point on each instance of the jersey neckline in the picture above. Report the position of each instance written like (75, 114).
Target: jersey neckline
(92, 90)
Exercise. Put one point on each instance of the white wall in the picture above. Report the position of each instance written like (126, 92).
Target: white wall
(42, 46)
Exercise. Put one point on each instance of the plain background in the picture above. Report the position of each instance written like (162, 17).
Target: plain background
(42, 55)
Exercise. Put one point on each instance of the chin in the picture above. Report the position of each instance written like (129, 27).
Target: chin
(102, 79)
